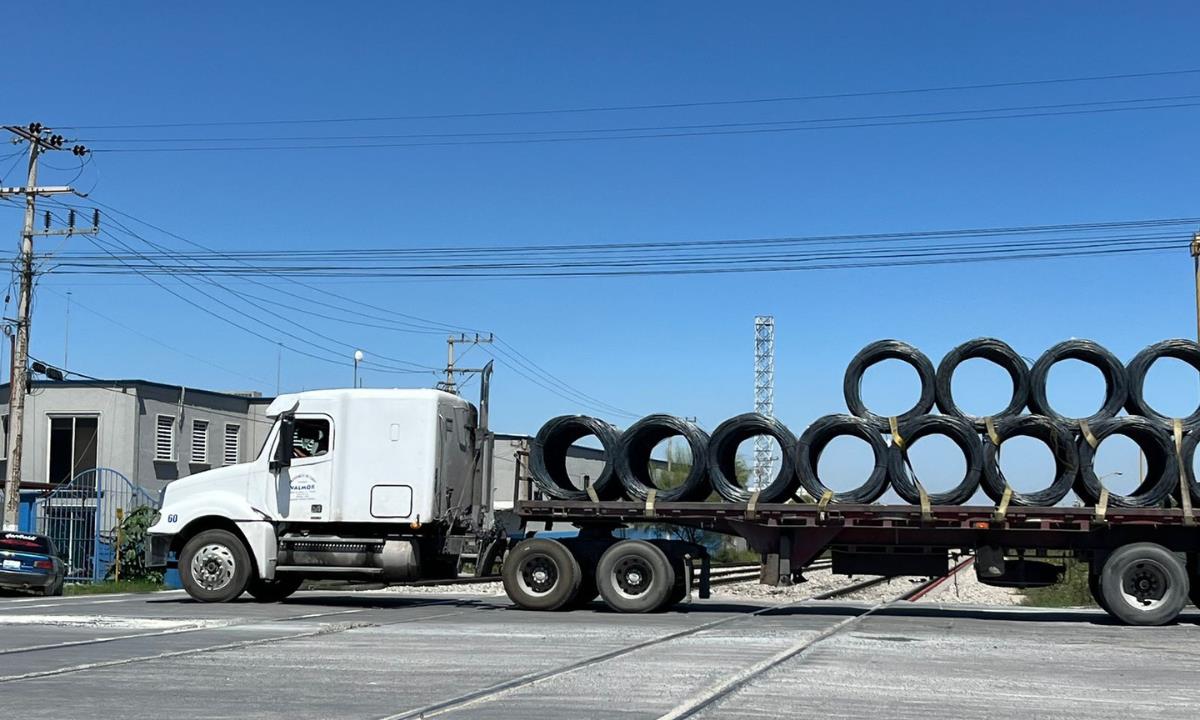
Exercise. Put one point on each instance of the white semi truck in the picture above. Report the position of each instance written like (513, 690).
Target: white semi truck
(392, 486)
(377, 485)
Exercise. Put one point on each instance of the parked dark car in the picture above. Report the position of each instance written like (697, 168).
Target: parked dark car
(30, 562)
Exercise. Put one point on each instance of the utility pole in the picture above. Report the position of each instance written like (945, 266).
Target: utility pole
(449, 384)
(40, 140)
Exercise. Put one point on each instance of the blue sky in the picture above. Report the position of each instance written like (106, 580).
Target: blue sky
(681, 345)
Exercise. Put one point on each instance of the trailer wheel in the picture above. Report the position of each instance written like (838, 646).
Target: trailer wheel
(635, 577)
(1144, 584)
(541, 574)
(214, 566)
(280, 588)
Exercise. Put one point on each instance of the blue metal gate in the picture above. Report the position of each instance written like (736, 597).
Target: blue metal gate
(81, 518)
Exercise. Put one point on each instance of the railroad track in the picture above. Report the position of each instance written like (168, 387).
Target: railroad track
(707, 697)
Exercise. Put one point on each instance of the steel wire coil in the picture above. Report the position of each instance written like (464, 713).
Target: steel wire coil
(1056, 437)
(1188, 451)
(1186, 350)
(1116, 382)
(878, 352)
(992, 350)
(1155, 442)
(961, 433)
(548, 457)
(633, 459)
(722, 458)
(814, 441)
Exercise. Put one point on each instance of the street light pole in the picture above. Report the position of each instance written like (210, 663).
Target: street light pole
(1196, 262)
(358, 356)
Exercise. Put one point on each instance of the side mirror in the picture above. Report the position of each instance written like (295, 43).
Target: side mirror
(283, 447)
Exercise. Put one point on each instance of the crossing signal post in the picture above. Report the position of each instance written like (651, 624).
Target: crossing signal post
(40, 139)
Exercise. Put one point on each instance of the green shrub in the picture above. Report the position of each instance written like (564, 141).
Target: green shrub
(131, 554)
(1072, 591)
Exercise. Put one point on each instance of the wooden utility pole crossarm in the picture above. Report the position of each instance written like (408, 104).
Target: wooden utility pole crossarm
(40, 139)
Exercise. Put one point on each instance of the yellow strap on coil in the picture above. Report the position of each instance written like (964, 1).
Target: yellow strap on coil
(650, 502)
(1185, 495)
(895, 427)
(1002, 508)
(591, 492)
(750, 505)
(1101, 507)
(898, 441)
(823, 503)
(1086, 431)
(991, 431)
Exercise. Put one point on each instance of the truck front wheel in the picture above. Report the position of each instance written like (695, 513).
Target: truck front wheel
(214, 566)
(541, 574)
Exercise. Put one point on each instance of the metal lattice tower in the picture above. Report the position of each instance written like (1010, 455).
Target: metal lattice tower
(764, 395)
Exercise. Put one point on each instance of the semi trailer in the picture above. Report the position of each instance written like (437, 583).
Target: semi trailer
(395, 486)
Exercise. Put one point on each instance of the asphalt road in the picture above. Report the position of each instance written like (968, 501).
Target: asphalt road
(381, 655)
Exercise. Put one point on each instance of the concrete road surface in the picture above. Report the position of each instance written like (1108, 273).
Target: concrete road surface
(387, 655)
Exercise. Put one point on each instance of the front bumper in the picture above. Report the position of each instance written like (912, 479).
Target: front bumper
(157, 549)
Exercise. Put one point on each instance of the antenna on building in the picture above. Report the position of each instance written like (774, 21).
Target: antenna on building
(764, 396)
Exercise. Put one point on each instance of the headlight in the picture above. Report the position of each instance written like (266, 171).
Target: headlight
(155, 518)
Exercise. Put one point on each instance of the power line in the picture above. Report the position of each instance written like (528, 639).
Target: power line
(75, 303)
(649, 128)
(268, 310)
(647, 135)
(227, 320)
(553, 380)
(535, 369)
(650, 106)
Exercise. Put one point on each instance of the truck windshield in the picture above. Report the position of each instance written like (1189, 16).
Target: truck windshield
(267, 438)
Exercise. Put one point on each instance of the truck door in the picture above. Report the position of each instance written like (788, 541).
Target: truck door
(303, 490)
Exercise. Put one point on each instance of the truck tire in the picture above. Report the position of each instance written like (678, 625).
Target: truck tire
(541, 574)
(1144, 584)
(274, 590)
(214, 566)
(634, 576)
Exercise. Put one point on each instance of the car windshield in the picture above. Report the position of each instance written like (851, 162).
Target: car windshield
(23, 542)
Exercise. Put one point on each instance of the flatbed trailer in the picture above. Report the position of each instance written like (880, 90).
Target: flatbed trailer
(1143, 560)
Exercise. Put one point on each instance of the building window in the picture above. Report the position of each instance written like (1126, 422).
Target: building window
(72, 448)
(164, 438)
(200, 442)
(233, 443)
(4, 441)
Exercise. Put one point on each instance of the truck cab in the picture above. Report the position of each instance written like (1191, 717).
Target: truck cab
(358, 484)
